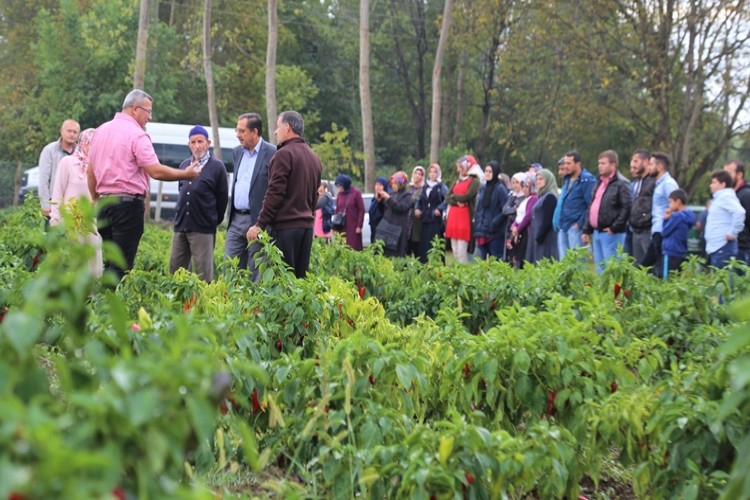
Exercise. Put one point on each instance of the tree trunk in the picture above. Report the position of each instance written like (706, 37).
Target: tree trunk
(368, 138)
(273, 28)
(208, 70)
(489, 84)
(139, 73)
(436, 73)
(460, 97)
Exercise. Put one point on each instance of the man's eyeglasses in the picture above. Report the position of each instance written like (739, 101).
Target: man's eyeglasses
(150, 113)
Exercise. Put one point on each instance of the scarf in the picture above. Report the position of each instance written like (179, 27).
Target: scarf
(491, 184)
(84, 140)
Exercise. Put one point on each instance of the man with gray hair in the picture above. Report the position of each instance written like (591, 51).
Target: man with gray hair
(122, 158)
(289, 205)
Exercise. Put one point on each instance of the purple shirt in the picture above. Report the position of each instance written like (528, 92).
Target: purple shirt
(119, 150)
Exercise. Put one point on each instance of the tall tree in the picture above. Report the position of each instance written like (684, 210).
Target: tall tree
(437, 70)
(141, 49)
(680, 71)
(273, 29)
(368, 137)
(209, 72)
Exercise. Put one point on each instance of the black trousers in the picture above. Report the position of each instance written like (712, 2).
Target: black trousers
(122, 223)
(654, 257)
(295, 244)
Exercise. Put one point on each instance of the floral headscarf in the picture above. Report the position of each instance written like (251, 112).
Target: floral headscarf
(84, 140)
(518, 176)
(530, 181)
(401, 179)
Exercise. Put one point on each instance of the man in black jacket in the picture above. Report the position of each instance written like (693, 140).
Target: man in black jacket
(609, 211)
(642, 187)
(736, 169)
(200, 208)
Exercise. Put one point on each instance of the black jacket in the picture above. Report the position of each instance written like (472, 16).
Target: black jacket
(614, 209)
(203, 200)
(640, 214)
(489, 222)
(743, 239)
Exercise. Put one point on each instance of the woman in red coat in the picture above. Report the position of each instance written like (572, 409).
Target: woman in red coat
(461, 198)
(349, 202)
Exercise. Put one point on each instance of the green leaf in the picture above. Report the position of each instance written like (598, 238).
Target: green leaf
(142, 406)
(249, 444)
(22, 330)
(404, 374)
(521, 361)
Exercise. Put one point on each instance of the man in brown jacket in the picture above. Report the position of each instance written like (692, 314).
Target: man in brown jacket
(288, 211)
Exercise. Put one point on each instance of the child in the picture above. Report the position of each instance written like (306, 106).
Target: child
(677, 224)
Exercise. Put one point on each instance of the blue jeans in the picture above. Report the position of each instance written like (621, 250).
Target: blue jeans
(721, 257)
(567, 240)
(605, 247)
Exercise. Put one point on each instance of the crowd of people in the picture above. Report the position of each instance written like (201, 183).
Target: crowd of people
(484, 213)
(275, 188)
(529, 216)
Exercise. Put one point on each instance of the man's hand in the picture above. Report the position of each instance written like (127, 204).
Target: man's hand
(46, 212)
(730, 237)
(417, 213)
(585, 238)
(252, 233)
(192, 171)
(667, 213)
(359, 230)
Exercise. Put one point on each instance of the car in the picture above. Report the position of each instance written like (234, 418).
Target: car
(29, 183)
(367, 197)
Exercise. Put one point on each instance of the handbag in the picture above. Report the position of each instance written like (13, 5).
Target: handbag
(338, 221)
(389, 234)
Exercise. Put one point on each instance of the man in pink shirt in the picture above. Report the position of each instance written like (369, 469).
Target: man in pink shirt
(609, 211)
(122, 158)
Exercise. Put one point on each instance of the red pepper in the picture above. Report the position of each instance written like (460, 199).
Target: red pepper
(256, 402)
(551, 396)
(617, 289)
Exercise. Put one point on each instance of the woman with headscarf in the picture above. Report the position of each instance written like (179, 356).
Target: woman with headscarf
(323, 211)
(71, 182)
(509, 211)
(350, 203)
(417, 183)
(398, 207)
(377, 206)
(429, 209)
(541, 230)
(520, 227)
(489, 221)
(459, 227)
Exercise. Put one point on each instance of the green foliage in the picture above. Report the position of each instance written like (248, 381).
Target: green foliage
(337, 155)
(372, 377)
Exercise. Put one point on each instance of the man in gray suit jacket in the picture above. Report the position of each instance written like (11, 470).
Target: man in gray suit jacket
(251, 159)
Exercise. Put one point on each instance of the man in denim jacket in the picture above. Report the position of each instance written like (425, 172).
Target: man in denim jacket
(573, 203)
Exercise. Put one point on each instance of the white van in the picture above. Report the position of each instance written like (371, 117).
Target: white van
(171, 145)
